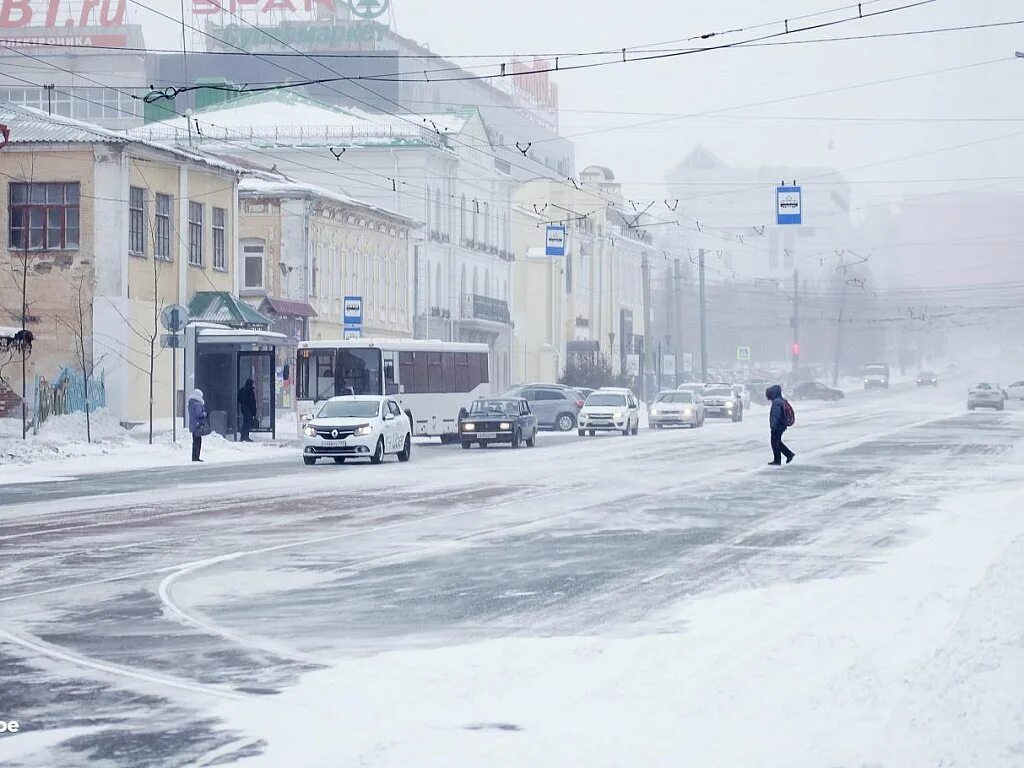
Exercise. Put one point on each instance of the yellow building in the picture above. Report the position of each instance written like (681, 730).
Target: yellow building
(128, 226)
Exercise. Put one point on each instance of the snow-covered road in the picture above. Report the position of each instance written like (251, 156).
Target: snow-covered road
(663, 599)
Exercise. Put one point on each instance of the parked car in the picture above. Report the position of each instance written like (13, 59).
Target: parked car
(1016, 390)
(985, 395)
(610, 410)
(499, 420)
(722, 402)
(756, 387)
(694, 386)
(815, 390)
(676, 409)
(357, 427)
(555, 405)
(585, 392)
(927, 379)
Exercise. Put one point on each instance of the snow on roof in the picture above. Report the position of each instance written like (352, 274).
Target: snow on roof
(276, 119)
(32, 126)
(7, 332)
(253, 186)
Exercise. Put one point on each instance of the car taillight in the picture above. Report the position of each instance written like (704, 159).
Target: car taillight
(579, 403)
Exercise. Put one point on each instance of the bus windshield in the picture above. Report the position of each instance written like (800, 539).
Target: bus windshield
(327, 373)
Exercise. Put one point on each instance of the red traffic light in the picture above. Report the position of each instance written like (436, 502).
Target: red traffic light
(796, 349)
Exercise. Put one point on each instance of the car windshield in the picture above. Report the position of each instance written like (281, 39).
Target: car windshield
(496, 407)
(606, 399)
(983, 386)
(675, 397)
(875, 369)
(719, 392)
(927, 375)
(349, 409)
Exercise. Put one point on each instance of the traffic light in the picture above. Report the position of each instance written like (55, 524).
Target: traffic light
(796, 349)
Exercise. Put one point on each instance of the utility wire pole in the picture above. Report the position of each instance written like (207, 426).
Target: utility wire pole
(796, 325)
(645, 267)
(839, 324)
(703, 320)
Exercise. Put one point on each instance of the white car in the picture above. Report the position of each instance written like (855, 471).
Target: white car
(985, 395)
(676, 409)
(721, 401)
(357, 427)
(610, 410)
(1016, 390)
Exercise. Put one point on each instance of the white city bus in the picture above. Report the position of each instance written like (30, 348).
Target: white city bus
(432, 380)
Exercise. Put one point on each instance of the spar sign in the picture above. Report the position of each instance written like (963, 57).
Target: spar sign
(360, 9)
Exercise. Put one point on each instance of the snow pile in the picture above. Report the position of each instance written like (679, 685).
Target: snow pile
(61, 449)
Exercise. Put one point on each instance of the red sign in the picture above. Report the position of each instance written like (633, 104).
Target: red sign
(60, 16)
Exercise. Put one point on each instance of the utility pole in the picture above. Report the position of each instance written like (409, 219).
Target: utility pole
(796, 325)
(678, 279)
(839, 326)
(703, 320)
(645, 267)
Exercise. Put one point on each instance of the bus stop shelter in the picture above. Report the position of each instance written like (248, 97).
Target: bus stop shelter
(219, 360)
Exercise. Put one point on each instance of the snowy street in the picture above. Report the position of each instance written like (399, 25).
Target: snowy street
(664, 599)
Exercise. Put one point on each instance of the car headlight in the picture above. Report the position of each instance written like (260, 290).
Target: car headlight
(468, 427)
(310, 430)
(654, 411)
(688, 412)
(504, 425)
(364, 430)
(617, 415)
(306, 416)
(729, 406)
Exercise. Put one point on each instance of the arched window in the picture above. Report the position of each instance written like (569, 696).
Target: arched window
(438, 223)
(429, 294)
(487, 282)
(462, 220)
(462, 283)
(487, 224)
(476, 281)
(437, 285)
(476, 219)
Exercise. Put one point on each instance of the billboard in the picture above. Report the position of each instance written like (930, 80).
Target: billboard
(64, 22)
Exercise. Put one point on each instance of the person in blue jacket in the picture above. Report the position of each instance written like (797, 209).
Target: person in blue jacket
(197, 419)
(777, 424)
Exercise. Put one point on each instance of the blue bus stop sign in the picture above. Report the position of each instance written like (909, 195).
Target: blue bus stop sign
(788, 205)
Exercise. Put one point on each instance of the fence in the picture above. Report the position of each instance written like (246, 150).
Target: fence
(66, 394)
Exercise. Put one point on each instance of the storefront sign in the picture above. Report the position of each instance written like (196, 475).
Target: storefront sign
(362, 9)
(307, 37)
(60, 17)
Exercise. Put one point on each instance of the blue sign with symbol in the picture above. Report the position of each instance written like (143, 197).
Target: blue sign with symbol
(788, 205)
(353, 311)
(555, 243)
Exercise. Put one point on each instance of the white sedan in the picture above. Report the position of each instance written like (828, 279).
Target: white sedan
(357, 427)
(1016, 390)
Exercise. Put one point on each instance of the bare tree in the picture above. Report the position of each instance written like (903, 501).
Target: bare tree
(80, 325)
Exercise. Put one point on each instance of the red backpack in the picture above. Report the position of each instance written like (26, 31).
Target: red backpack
(790, 415)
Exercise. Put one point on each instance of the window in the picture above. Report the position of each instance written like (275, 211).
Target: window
(462, 220)
(252, 263)
(487, 225)
(162, 232)
(219, 256)
(43, 216)
(195, 233)
(137, 220)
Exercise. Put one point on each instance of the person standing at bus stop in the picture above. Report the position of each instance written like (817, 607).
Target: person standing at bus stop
(198, 422)
(247, 408)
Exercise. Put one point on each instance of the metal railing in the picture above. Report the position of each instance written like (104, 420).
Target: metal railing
(476, 307)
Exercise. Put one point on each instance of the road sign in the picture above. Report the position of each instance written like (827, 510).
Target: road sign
(172, 341)
(353, 332)
(633, 365)
(668, 365)
(174, 317)
(688, 362)
(353, 311)
(555, 244)
(743, 354)
(788, 205)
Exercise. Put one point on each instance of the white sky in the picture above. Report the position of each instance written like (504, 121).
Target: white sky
(641, 155)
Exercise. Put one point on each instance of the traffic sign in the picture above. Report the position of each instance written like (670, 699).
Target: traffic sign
(353, 332)
(668, 365)
(788, 205)
(174, 317)
(743, 354)
(353, 311)
(555, 243)
(172, 341)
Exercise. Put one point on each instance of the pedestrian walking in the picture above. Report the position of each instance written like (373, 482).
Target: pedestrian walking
(198, 422)
(247, 407)
(780, 418)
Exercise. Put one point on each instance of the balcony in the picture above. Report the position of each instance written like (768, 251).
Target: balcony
(475, 307)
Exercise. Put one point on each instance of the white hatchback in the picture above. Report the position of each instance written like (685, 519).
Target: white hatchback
(357, 427)
(610, 410)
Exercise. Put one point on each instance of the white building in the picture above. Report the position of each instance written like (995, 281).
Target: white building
(438, 169)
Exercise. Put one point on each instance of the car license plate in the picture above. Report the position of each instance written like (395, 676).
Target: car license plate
(334, 443)
(487, 435)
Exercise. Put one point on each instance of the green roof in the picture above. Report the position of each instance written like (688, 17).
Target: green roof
(221, 307)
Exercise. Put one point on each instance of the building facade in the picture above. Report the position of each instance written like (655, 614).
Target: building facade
(118, 228)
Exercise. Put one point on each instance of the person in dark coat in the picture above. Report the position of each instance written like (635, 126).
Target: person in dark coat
(197, 417)
(777, 423)
(247, 407)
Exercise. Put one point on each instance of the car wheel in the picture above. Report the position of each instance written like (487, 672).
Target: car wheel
(581, 432)
(565, 422)
(532, 441)
(626, 431)
(636, 427)
(309, 460)
(466, 445)
(406, 453)
(656, 426)
(593, 432)
(516, 439)
(339, 459)
(378, 455)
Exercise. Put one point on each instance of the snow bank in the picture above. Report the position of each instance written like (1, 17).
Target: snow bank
(61, 450)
